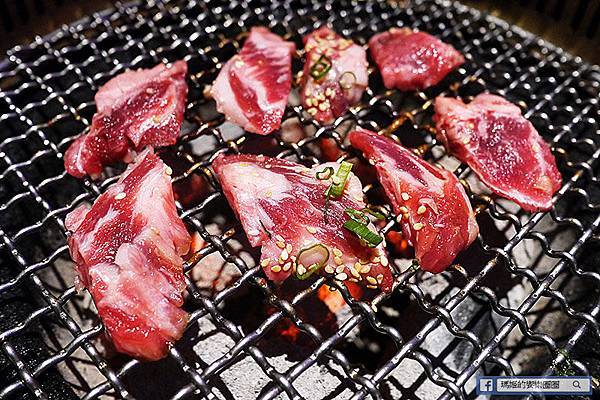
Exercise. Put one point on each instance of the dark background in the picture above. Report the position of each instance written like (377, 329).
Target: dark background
(571, 24)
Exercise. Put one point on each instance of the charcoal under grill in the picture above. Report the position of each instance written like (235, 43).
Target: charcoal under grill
(515, 303)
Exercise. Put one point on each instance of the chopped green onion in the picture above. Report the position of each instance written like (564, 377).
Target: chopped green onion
(347, 80)
(325, 173)
(339, 180)
(320, 68)
(310, 260)
(363, 232)
(374, 213)
(357, 216)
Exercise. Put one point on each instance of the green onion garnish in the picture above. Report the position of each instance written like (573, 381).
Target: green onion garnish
(310, 260)
(374, 213)
(356, 215)
(358, 224)
(347, 80)
(363, 232)
(320, 68)
(325, 173)
(339, 180)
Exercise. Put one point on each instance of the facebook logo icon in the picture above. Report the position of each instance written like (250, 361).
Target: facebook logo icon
(485, 386)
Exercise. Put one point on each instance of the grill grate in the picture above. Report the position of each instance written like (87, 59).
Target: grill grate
(527, 286)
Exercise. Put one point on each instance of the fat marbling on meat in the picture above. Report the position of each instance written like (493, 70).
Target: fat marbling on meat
(127, 248)
(412, 60)
(503, 148)
(335, 74)
(281, 206)
(135, 109)
(253, 87)
(432, 206)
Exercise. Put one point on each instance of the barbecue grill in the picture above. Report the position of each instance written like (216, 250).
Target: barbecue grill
(516, 303)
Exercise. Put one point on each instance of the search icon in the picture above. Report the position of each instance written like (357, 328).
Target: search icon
(577, 384)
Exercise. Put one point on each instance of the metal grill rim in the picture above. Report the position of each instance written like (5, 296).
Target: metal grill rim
(137, 15)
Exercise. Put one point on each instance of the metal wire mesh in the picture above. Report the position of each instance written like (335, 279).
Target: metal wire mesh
(426, 325)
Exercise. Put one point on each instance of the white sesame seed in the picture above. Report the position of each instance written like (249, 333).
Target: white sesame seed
(265, 262)
(312, 111)
(287, 266)
(284, 255)
(324, 106)
(337, 260)
(371, 280)
(280, 244)
(384, 261)
(403, 209)
(375, 259)
(279, 238)
(405, 196)
(340, 268)
(120, 196)
(337, 252)
(168, 170)
(399, 217)
(336, 180)
(301, 269)
(379, 278)
(276, 268)
(353, 280)
(365, 269)
(418, 226)
(372, 286)
(354, 272)
(341, 277)
(421, 210)
(329, 269)
(288, 247)
(311, 229)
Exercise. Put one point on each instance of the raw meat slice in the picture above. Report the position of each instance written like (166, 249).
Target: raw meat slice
(253, 87)
(335, 74)
(128, 255)
(431, 204)
(503, 148)
(411, 60)
(134, 109)
(281, 206)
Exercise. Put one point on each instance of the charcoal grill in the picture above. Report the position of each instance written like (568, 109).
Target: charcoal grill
(516, 302)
